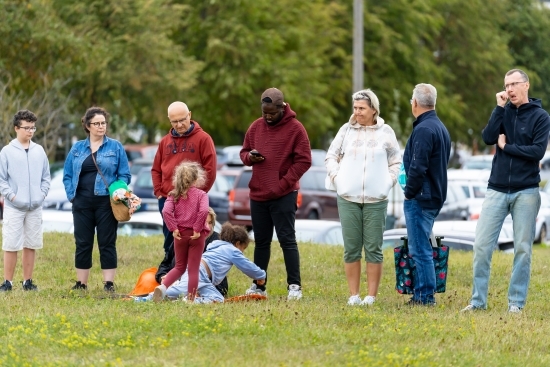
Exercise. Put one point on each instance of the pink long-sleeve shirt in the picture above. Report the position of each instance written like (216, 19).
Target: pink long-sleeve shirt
(189, 213)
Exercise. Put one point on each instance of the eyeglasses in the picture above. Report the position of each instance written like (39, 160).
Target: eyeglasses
(512, 85)
(176, 122)
(98, 124)
(27, 128)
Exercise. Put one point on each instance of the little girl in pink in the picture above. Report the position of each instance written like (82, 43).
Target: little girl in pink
(184, 213)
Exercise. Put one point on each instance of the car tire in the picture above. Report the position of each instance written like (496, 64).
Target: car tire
(313, 215)
(543, 234)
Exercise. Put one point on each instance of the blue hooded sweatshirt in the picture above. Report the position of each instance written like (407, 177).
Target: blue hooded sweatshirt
(221, 255)
(526, 128)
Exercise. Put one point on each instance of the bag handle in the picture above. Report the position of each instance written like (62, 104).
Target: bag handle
(101, 173)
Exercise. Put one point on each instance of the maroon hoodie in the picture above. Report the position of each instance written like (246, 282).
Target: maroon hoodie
(287, 153)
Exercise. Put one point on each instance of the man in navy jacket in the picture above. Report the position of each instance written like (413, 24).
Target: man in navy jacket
(519, 126)
(425, 159)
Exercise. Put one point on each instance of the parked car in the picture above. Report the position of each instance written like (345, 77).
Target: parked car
(325, 232)
(479, 162)
(314, 201)
(318, 157)
(57, 197)
(455, 239)
(143, 188)
(137, 165)
(137, 151)
(229, 156)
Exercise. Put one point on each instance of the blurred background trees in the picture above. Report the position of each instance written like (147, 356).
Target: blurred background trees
(134, 57)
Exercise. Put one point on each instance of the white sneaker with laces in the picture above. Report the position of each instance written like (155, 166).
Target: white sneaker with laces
(294, 292)
(354, 300)
(514, 309)
(255, 290)
(369, 300)
(159, 293)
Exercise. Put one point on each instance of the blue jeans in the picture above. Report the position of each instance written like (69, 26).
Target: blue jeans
(524, 206)
(420, 223)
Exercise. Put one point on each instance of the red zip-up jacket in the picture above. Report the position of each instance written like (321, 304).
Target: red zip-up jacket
(198, 146)
(287, 153)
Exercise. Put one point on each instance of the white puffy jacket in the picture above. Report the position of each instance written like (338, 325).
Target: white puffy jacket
(370, 164)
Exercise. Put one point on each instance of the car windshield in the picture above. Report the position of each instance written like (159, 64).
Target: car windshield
(144, 180)
(244, 179)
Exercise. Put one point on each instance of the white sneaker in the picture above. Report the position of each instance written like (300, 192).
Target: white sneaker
(159, 293)
(469, 308)
(354, 300)
(255, 290)
(369, 300)
(294, 292)
(514, 309)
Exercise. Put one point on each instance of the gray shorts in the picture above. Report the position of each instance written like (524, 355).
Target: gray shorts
(21, 229)
(363, 227)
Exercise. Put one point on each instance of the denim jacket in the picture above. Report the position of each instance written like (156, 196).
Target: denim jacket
(111, 159)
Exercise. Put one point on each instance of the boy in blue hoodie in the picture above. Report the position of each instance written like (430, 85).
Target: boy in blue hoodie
(216, 262)
(24, 183)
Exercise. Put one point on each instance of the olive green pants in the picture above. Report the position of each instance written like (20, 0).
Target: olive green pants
(363, 226)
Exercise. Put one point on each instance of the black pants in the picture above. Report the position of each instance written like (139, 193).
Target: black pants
(280, 213)
(168, 236)
(91, 214)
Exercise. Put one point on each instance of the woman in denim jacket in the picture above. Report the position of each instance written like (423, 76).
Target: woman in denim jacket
(91, 202)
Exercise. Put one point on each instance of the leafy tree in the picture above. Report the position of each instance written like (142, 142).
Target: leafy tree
(250, 45)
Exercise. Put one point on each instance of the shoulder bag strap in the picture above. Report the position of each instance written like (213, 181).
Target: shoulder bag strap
(341, 155)
(101, 173)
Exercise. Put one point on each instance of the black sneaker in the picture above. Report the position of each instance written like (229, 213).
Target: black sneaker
(109, 286)
(79, 286)
(6, 286)
(28, 285)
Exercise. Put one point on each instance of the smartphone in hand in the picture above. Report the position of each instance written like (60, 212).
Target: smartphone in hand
(256, 154)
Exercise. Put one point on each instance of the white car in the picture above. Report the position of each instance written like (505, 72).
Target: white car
(141, 224)
(326, 232)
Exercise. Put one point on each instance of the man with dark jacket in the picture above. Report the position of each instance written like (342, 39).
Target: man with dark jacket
(519, 126)
(425, 159)
(185, 141)
(277, 147)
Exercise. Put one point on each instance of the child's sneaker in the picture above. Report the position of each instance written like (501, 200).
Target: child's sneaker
(354, 300)
(159, 293)
(255, 290)
(368, 301)
(294, 292)
(28, 285)
(6, 286)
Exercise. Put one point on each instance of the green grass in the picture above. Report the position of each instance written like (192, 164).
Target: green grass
(55, 327)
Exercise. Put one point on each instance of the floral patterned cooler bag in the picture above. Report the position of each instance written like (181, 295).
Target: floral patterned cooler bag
(405, 270)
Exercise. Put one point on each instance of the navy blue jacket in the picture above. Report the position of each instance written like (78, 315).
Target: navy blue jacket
(526, 128)
(426, 157)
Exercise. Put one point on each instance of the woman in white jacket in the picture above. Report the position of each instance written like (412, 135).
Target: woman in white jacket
(363, 163)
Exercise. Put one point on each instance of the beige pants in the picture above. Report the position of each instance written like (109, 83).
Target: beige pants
(21, 229)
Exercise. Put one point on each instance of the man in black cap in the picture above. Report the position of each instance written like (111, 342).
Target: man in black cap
(277, 147)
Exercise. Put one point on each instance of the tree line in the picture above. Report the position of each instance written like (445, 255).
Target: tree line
(134, 57)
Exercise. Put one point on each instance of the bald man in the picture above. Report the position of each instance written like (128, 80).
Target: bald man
(185, 141)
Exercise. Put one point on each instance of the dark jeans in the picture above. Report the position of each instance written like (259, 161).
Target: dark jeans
(280, 213)
(91, 214)
(168, 236)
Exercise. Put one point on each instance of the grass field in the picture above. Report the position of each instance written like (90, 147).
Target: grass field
(55, 327)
